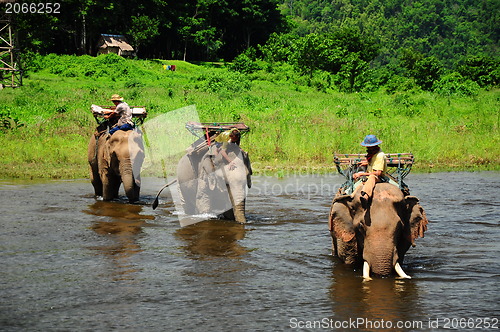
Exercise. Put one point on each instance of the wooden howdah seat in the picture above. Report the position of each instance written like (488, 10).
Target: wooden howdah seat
(398, 167)
(139, 113)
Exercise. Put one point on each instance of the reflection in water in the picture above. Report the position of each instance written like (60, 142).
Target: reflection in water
(371, 302)
(217, 269)
(213, 238)
(123, 224)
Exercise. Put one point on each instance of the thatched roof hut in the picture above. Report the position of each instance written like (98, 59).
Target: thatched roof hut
(114, 44)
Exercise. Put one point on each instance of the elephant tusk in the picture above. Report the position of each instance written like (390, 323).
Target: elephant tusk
(400, 272)
(366, 271)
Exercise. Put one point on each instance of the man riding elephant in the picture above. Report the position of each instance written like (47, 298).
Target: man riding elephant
(122, 112)
(375, 222)
(376, 164)
(116, 159)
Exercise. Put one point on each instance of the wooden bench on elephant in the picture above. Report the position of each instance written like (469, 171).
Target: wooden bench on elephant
(208, 131)
(199, 129)
(139, 113)
(398, 166)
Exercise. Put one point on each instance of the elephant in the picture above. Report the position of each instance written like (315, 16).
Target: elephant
(208, 185)
(114, 160)
(378, 235)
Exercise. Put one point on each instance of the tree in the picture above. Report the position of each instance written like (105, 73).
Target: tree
(143, 29)
(483, 70)
(198, 28)
(426, 72)
(358, 51)
(310, 54)
(278, 47)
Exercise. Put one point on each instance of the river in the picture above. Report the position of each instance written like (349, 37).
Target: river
(70, 262)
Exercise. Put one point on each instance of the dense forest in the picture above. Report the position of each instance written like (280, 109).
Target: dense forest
(353, 45)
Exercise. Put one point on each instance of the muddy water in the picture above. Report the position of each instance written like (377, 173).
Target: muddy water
(72, 263)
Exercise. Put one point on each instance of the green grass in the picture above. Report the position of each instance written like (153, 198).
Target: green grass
(46, 123)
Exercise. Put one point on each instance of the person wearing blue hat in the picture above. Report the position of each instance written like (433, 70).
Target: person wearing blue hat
(376, 167)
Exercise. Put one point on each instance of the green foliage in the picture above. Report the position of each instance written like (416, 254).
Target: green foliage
(295, 122)
(482, 70)
(201, 30)
(108, 66)
(223, 81)
(9, 121)
(344, 53)
(426, 72)
(400, 83)
(243, 64)
(448, 30)
(278, 47)
(143, 29)
(455, 84)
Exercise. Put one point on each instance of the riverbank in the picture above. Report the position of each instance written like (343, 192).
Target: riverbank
(33, 171)
(45, 125)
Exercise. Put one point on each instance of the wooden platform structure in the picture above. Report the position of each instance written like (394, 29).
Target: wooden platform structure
(11, 73)
(196, 127)
(139, 113)
(398, 166)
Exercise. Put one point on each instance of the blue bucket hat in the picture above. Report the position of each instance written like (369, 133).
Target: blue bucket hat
(371, 140)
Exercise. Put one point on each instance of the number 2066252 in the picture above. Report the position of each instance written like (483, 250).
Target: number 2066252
(32, 8)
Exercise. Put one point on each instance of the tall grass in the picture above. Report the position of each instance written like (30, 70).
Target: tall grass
(46, 123)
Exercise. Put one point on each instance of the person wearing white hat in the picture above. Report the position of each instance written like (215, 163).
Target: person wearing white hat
(124, 114)
(376, 167)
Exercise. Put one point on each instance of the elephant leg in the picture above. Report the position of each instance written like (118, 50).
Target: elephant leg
(239, 212)
(92, 155)
(95, 179)
(107, 194)
(110, 185)
(203, 203)
(347, 251)
(187, 196)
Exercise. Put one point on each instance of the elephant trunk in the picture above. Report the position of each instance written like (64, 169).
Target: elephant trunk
(131, 185)
(382, 265)
(381, 256)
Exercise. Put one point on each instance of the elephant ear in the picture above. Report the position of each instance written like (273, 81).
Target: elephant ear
(417, 219)
(340, 220)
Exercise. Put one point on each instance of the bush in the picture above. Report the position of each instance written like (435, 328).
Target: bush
(8, 120)
(243, 64)
(104, 66)
(456, 84)
(322, 80)
(223, 81)
(426, 72)
(400, 83)
(482, 70)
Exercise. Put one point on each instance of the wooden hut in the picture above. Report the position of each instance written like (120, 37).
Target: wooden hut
(114, 44)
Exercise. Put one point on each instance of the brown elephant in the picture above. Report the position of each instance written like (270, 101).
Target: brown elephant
(378, 235)
(114, 160)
